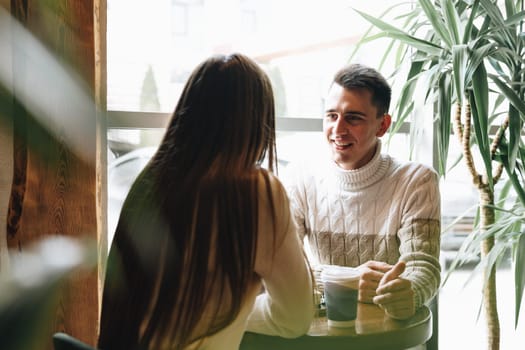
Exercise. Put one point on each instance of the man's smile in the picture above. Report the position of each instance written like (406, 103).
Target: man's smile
(340, 145)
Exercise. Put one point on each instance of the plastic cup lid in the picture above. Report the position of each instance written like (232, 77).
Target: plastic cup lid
(335, 273)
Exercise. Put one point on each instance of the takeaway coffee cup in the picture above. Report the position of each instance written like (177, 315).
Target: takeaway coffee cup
(340, 292)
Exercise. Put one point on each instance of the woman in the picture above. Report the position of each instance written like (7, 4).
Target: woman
(204, 227)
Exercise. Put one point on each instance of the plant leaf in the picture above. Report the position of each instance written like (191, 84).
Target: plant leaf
(494, 255)
(409, 87)
(368, 31)
(515, 126)
(513, 177)
(443, 123)
(496, 17)
(436, 20)
(453, 22)
(516, 18)
(459, 62)
(400, 35)
(516, 101)
(479, 106)
(519, 274)
(476, 57)
(509, 8)
(470, 22)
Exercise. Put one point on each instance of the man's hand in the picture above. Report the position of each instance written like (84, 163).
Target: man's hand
(395, 294)
(371, 274)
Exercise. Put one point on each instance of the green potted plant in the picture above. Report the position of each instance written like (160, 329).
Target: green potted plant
(30, 292)
(468, 59)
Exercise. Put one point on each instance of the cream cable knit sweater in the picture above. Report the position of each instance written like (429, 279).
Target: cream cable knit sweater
(385, 211)
(285, 309)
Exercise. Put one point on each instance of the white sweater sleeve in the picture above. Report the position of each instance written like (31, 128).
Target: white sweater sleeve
(294, 184)
(419, 236)
(286, 306)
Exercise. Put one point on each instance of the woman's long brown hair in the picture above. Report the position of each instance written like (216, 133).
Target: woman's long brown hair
(187, 233)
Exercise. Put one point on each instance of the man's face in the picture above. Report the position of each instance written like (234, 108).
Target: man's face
(351, 126)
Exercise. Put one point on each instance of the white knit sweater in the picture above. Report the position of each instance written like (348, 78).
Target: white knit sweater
(285, 309)
(385, 211)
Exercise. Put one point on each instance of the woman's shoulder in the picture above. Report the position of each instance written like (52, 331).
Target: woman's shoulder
(268, 183)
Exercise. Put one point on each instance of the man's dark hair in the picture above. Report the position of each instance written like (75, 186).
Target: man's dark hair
(358, 76)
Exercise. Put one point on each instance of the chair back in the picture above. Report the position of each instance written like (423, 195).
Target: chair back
(63, 341)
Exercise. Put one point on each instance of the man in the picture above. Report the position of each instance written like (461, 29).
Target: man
(367, 209)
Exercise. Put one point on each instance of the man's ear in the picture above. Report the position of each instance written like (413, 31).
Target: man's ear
(385, 124)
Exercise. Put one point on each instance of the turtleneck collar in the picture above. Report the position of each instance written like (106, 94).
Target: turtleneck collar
(365, 176)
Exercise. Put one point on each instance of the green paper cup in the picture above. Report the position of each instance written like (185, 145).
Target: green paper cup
(340, 291)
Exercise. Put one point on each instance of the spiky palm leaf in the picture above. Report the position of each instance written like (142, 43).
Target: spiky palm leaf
(470, 53)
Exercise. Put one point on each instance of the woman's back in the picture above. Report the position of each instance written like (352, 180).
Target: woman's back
(203, 224)
(278, 261)
(283, 310)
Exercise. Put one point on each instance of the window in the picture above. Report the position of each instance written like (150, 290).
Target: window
(179, 19)
(154, 45)
(299, 43)
(248, 16)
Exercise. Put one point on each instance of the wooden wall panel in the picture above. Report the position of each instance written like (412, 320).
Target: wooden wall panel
(6, 140)
(100, 83)
(57, 191)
